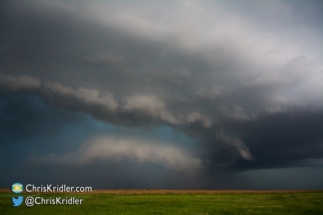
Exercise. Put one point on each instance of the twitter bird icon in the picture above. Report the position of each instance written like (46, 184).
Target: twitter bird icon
(17, 201)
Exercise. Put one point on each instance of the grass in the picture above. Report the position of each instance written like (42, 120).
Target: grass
(178, 203)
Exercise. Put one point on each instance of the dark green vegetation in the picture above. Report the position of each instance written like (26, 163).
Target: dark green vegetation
(222, 203)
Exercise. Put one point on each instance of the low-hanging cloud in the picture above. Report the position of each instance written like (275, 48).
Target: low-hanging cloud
(241, 148)
(117, 149)
(87, 96)
(150, 105)
(85, 99)
(21, 82)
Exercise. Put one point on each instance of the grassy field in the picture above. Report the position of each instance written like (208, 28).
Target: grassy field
(176, 202)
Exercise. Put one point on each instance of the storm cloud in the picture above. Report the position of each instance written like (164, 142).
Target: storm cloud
(238, 87)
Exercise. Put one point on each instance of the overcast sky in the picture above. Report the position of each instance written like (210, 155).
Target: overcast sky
(162, 94)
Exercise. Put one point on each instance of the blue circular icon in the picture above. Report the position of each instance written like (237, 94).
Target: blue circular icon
(17, 188)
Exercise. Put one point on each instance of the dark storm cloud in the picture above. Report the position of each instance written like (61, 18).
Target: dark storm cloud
(242, 84)
(24, 117)
(284, 139)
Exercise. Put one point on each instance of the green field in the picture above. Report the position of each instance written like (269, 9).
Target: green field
(221, 203)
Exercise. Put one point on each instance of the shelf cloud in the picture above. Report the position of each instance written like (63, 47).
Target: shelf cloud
(230, 87)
